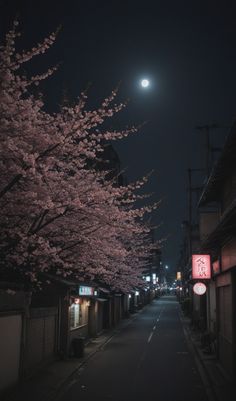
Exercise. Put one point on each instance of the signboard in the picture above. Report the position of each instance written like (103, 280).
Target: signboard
(201, 267)
(199, 288)
(178, 276)
(84, 290)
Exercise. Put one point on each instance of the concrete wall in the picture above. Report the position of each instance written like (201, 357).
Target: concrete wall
(10, 349)
(41, 338)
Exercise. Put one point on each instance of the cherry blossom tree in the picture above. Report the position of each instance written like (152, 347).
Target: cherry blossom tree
(59, 214)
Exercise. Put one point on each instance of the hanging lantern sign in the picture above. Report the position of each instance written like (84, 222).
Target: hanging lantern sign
(199, 288)
(201, 267)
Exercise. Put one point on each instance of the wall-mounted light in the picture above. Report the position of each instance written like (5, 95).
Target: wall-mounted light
(77, 301)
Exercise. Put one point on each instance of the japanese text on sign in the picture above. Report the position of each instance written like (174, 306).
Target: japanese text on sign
(201, 267)
(84, 290)
(199, 288)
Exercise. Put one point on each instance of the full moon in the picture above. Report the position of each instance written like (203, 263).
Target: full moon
(145, 83)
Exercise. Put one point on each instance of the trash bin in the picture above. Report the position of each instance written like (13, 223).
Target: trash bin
(78, 347)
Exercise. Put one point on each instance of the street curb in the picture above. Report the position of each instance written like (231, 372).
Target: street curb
(52, 390)
(54, 393)
(204, 374)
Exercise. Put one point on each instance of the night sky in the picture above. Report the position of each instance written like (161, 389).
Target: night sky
(187, 50)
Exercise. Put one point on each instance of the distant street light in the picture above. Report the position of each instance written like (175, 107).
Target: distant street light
(166, 267)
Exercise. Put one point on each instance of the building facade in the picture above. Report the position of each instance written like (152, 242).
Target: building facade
(215, 234)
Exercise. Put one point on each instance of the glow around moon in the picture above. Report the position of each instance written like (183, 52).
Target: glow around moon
(145, 83)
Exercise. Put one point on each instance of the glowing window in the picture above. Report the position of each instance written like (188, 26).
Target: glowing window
(75, 316)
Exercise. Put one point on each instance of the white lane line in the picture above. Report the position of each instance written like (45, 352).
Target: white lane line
(154, 327)
(160, 315)
(150, 337)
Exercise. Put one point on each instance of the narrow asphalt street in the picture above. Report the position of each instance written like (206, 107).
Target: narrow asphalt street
(149, 359)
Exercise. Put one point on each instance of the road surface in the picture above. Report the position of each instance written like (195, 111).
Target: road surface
(148, 359)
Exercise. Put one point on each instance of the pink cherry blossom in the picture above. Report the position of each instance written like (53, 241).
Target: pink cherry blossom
(59, 214)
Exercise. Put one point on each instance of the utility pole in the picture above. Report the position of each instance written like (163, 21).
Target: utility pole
(206, 129)
(208, 148)
(191, 189)
(190, 211)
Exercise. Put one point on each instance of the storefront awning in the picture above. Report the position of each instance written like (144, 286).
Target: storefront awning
(105, 290)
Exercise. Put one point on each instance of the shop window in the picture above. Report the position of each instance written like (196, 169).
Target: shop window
(75, 316)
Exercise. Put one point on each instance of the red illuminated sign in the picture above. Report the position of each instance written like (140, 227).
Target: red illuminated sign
(199, 288)
(201, 267)
(216, 267)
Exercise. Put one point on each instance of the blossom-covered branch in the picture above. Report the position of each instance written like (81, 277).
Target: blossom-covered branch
(58, 211)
